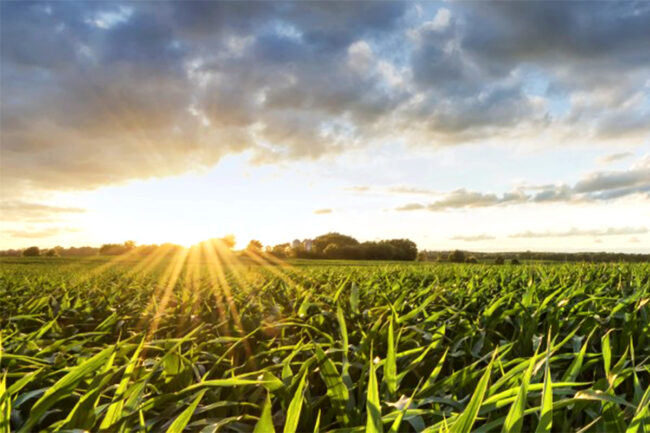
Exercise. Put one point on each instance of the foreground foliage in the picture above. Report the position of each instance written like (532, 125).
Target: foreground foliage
(191, 344)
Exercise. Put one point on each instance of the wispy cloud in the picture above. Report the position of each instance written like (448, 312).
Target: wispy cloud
(576, 232)
(21, 211)
(40, 233)
(473, 238)
(323, 211)
(613, 157)
(597, 186)
(358, 188)
(411, 206)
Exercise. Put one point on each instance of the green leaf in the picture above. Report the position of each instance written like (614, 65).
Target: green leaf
(374, 423)
(590, 394)
(466, 419)
(295, 407)
(337, 392)
(114, 411)
(390, 366)
(317, 425)
(265, 423)
(435, 373)
(181, 421)
(607, 353)
(515, 418)
(574, 369)
(546, 410)
(64, 387)
(5, 405)
(641, 418)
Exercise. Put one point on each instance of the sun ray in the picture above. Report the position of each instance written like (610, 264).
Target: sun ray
(168, 279)
(216, 252)
(270, 267)
(192, 290)
(104, 267)
(210, 261)
(152, 260)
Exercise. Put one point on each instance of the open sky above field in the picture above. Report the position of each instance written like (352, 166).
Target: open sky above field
(472, 125)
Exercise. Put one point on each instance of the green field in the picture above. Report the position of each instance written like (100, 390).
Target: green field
(193, 345)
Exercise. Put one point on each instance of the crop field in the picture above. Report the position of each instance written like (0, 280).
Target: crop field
(206, 344)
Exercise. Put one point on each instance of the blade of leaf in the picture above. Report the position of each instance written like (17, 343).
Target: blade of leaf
(373, 406)
(641, 415)
(5, 405)
(515, 418)
(114, 411)
(265, 423)
(466, 419)
(390, 367)
(337, 392)
(63, 387)
(293, 412)
(546, 410)
(181, 420)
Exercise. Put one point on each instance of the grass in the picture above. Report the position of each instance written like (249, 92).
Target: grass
(196, 343)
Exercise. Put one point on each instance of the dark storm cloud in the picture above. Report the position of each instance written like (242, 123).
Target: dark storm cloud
(95, 93)
(616, 33)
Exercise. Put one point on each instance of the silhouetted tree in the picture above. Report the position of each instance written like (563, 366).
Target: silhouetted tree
(52, 253)
(32, 252)
(229, 241)
(405, 249)
(255, 246)
(281, 250)
(457, 256)
(337, 239)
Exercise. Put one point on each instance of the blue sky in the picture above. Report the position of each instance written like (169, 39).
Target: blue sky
(474, 125)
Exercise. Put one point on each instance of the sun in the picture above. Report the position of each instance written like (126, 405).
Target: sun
(183, 239)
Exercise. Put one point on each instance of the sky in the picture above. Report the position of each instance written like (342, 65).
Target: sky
(481, 126)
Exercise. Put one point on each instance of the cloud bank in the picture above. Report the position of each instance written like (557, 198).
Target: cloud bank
(98, 93)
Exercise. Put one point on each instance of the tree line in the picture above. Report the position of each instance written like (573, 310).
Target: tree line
(327, 246)
(460, 256)
(340, 246)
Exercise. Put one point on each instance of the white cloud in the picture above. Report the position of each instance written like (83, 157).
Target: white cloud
(360, 57)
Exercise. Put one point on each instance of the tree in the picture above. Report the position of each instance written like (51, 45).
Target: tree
(471, 259)
(32, 252)
(281, 250)
(499, 260)
(337, 239)
(457, 256)
(514, 262)
(405, 249)
(52, 253)
(229, 241)
(254, 245)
